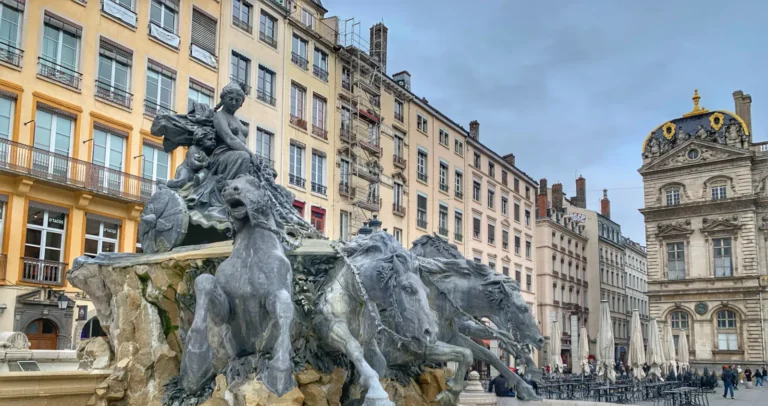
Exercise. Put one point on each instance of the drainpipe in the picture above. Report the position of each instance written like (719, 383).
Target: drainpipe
(762, 326)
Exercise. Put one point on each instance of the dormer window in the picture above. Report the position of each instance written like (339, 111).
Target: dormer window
(719, 191)
(673, 196)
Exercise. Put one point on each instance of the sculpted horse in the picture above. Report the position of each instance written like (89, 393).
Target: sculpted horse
(250, 295)
(377, 273)
(479, 292)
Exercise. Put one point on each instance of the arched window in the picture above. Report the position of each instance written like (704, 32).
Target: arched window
(92, 329)
(726, 331)
(673, 196)
(719, 190)
(679, 322)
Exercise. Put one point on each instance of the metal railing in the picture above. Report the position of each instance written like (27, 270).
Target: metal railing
(61, 169)
(346, 84)
(296, 180)
(242, 82)
(399, 116)
(318, 188)
(265, 97)
(442, 231)
(346, 134)
(111, 93)
(298, 122)
(10, 54)
(459, 195)
(444, 187)
(41, 271)
(421, 223)
(319, 132)
(371, 144)
(367, 201)
(299, 60)
(271, 41)
(243, 25)
(265, 161)
(399, 161)
(345, 188)
(59, 73)
(153, 109)
(422, 176)
(458, 237)
(321, 73)
(398, 209)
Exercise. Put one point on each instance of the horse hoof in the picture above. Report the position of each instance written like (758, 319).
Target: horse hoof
(278, 381)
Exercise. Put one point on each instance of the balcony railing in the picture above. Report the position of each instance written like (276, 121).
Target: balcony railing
(346, 134)
(243, 25)
(398, 209)
(153, 109)
(321, 73)
(265, 97)
(296, 180)
(346, 84)
(444, 187)
(369, 202)
(242, 82)
(42, 271)
(299, 122)
(422, 176)
(271, 41)
(399, 116)
(45, 165)
(319, 132)
(10, 54)
(318, 188)
(442, 231)
(371, 144)
(459, 195)
(458, 237)
(345, 189)
(59, 73)
(399, 161)
(364, 172)
(299, 60)
(113, 94)
(3, 263)
(421, 223)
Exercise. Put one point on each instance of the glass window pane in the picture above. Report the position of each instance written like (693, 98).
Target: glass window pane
(92, 227)
(91, 247)
(56, 220)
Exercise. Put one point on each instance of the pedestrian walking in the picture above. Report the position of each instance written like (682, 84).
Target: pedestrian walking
(728, 378)
(758, 377)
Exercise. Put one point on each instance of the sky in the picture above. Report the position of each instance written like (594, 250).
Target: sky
(574, 87)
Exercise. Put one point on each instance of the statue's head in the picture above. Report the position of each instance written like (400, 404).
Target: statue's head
(232, 97)
(245, 198)
(511, 313)
(396, 285)
(205, 138)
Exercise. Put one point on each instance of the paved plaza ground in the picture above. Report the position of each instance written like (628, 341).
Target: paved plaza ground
(743, 397)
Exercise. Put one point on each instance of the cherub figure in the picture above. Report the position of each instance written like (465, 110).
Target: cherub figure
(192, 169)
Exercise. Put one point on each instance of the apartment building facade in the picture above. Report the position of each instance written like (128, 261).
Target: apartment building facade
(637, 282)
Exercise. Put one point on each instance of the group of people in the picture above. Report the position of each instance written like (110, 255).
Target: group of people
(733, 374)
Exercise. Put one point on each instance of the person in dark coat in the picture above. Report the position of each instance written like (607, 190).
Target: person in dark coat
(758, 377)
(728, 378)
(499, 385)
(748, 375)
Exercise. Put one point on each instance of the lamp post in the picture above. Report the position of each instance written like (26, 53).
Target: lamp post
(63, 301)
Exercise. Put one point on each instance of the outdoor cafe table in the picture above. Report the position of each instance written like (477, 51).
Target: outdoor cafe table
(655, 389)
(614, 393)
(682, 396)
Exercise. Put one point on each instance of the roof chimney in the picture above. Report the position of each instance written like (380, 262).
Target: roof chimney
(580, 200)
(541, 199)
(510, 158)
(605, 205)
(474, 130)
(379, 45)
(403, 79)
(557, 197)
(743, 107)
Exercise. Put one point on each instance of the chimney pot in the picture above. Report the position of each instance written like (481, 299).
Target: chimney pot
(510, 159)
(557, 197)
(378, 45)
(541, 199)
(605, 205)
(580, 200)
(474, 129)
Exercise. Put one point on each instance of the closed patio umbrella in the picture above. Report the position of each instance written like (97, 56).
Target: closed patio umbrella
(606, 352)
(556, 362)
(669, 351)
(682, 352)
(584, 350)
(654, 355)
(636, 356)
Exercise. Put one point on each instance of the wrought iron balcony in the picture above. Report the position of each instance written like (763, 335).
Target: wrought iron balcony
(399, 116)
(346, 84)
(368, 201)
(153, 109)
(398, 161)
(421, 223)
(43, 272)
(319, 132)
(298, 122)
(459, 195)
(299, 61)
(398, 209)
(364, 172)
(296, 180)
(113, 94)
(371, 144)
(271, 41)
(321, 73)
(318, 188)
(242, 82)
(17, 158)
(59, 73)
(422, 176)
(10, 54)
(345, 189)
(444, 187)
(458, 237)
(442, 231)
(491, 240)
(243, 25)
(265, 97)
(345, 132)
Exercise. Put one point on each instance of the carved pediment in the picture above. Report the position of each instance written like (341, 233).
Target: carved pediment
(721, 224)
(401, 176)
(506, 258)
(694, 152)
(675, 229)
(505, 222)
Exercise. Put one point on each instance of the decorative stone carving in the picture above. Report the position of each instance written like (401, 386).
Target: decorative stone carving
(701, 308)
(678, 228)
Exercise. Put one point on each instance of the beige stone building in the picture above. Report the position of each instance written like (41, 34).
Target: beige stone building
(706, 216)
(636, 275)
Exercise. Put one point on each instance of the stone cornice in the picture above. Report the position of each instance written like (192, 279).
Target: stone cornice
(708, 207)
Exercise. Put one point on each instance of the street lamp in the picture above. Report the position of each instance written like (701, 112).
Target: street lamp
(63, 301)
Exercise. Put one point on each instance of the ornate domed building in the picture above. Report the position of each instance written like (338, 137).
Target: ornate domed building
(706, 221)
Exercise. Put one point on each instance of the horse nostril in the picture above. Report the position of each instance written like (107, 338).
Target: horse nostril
(427, 333)
(540, 340)
(236, 189)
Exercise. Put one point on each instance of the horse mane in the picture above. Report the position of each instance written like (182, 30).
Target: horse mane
(378, 249)
(432, 246)
(498, 288)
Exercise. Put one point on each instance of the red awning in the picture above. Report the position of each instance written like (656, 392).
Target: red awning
(368, 115)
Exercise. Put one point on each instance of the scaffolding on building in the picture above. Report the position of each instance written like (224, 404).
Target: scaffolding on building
(360, 130)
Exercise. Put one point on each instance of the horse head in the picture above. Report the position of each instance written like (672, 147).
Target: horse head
(390, 277)
(510, 311)
(247, 201)
(432, 246)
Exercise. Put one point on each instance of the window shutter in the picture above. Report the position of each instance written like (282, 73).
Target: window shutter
(201, 87)
(204, 31)
(111, 130)
(172, 4)
(62, 24)
(115, 51)
(162, 69)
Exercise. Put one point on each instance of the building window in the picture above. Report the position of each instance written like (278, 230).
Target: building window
(54, 134)
(318, 173)
(265, 90)
(421, 165)
(459, 188)
(101, 235)
(504, 205)
(718, 191)
(443, 137)
(458, 147)
(241, 15)
(320, 68)
(528, 217)
(164, 16)
(443, 177)
(241, 66)
(319, 108)
(397, 196)
(504, 177)
(476, 224)
(204, 37)
(421, 211)
(307, 18)
(422, 124)
(157, 165)
(344, 225)
(299, 206)
(10, 30)
(528, 192)
(398, 234)
(264, 140)
(399, 111)
(722, 255)
(298, 101)
(492, 264)
(476, 191)
(7, 107)
(45, 239)
(108, 153)
(113, 83)
(268, 29)
(519, 274)
(491, 197)
(679, 321)
(528, 254)
(505, 239)
(491, 233)
(673, 197)
(199, 94)
(505, 269)
(491, 169)
(161, 84)
(476, 160)
(517, 185)
(296, 166)
(458, 224)
(529, 282)
(676, 260)
(399, 150)
(517, 244)
(318, 219)
(60, 53)
(300, 52)
(442, 221)
(726, 331)
(517, 211)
